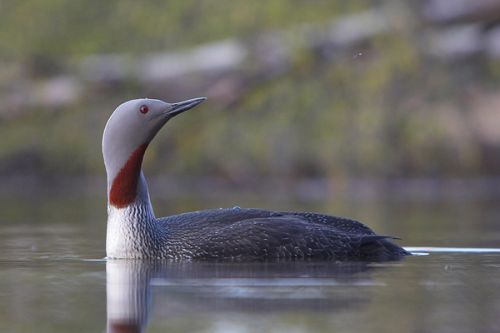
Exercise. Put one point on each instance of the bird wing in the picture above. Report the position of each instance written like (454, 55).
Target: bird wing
(341, 224)
(227, 216)
(278, 237)
(248, 234)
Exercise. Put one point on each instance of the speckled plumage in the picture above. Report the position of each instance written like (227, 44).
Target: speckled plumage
(216, 234)
(255, 234)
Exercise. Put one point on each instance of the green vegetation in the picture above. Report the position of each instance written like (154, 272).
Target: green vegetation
(391, 112)
(57, 29)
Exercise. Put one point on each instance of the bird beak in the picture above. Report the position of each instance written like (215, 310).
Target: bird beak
(178, 108)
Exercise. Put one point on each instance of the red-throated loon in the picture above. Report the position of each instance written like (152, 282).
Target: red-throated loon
(242, 234)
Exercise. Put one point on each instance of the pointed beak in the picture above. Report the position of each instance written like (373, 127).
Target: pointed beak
(180, 107)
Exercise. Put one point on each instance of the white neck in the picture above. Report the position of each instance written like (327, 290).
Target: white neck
(132, 230)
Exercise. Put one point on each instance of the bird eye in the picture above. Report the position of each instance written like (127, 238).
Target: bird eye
(144, 109)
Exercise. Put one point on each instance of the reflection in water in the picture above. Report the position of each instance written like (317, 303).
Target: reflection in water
(128, 295)
(279, 286)
(47, 286)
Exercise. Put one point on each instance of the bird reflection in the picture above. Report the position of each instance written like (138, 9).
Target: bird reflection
(128, 291)
(204, 287)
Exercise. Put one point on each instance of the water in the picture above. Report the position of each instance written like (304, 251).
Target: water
(53, 278)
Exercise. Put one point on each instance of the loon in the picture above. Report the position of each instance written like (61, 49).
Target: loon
(238, 234)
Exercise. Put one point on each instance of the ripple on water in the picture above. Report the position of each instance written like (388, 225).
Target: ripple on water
(418, 250)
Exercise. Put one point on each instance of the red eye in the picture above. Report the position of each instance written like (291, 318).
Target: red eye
(144, 109)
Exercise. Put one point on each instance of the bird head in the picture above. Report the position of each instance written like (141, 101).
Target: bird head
(131, 128)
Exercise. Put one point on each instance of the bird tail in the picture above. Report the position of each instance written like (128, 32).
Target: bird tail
(380, 248)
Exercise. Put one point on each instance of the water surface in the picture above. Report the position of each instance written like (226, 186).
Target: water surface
(54, 279)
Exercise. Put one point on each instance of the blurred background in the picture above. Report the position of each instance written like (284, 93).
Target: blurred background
(386, 111)
(307, 99)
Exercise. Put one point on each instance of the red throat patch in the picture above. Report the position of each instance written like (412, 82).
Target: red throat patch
(124, 188)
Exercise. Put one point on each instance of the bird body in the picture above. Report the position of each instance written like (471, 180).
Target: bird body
(215, 234)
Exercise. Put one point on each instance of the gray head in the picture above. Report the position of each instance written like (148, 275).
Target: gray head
(130, 129)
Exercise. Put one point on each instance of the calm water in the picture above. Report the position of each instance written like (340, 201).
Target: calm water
(53, 278)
